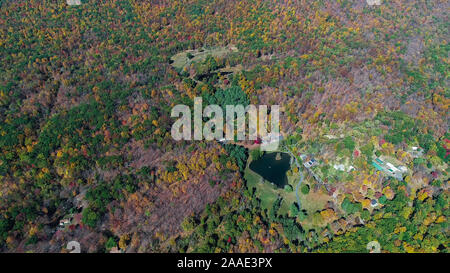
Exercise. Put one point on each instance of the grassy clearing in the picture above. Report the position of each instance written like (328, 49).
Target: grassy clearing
(184, 59)
(313, 201)
(264, 190)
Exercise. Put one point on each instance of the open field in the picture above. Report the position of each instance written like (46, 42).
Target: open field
(184, 59)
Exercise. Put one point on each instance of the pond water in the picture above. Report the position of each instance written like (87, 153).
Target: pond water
(273, 168)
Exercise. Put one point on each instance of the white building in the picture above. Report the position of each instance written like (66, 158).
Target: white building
(64, 222)
(310, 163)
(392, 167)
(73, 2)
(373, 2)
(341, 167)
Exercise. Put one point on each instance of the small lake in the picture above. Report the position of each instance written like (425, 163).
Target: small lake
(273, 168)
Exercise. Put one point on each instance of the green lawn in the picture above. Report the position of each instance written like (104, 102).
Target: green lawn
(182, 60)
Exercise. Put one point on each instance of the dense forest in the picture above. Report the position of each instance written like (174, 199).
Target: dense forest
(86, 154)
